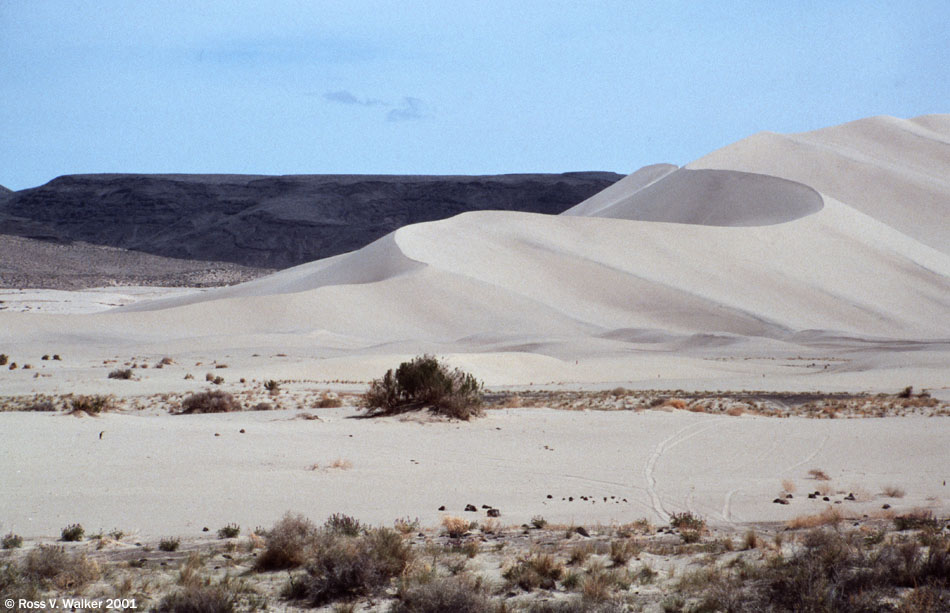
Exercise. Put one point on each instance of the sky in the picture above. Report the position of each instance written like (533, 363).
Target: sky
(445, 87)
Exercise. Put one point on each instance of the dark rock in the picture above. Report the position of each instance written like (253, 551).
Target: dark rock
(582, 531)
(486, 506)
(886, 506)
(270, 221)
(471, 508)
(494, 513)
(850, 496)
(813, 495)
(442, 508)
(789, 496)
(780, 501)
(825, 498)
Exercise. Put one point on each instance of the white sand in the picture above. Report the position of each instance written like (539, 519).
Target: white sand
(164, 475)
(830, 246)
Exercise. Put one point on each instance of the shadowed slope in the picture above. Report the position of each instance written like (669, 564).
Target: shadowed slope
(707, 197)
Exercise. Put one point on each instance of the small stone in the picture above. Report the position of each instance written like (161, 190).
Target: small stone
(789, 496)
(886, 506)
(813, 495)
(780, 501)
(550, 496)
(470, 508)
(825, 498)
(242, 430)
(582, 531)
(494, 513)
(442, 508)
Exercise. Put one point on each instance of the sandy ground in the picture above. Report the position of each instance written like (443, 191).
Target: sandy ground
(155, 474)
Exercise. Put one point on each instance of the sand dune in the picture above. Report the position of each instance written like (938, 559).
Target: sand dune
(836, 238)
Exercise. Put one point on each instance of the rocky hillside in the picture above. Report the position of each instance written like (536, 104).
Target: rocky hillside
(269, 221)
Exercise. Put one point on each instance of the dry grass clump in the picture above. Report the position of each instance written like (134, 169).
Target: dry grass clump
(288, 544)
(328, 400)
(828, 517)
(917, 519)
(788, 486)
(50, 565)
(121, 373)
(539, 570)
(92, 405)
(211, 401)
(169, 544)
(893, 491)
(426, 382)
(455, 527)
(621, 550)
(72, 533)
(346, 567)
(818, 474)
(198, 599)
(12, 541)
(453, 594)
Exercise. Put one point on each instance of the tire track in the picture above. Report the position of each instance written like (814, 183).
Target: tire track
(661, 448)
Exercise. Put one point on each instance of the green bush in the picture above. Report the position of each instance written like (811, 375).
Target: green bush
(73, 532)
(169, 544)
(12, 541)
(424, 381)
(229, 532)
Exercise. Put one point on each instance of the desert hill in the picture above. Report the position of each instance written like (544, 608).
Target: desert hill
(269, 221)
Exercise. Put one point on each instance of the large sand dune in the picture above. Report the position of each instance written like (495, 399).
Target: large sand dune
(831, 241)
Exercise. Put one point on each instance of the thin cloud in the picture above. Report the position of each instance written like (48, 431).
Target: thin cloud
(409, 109)
(344, 97)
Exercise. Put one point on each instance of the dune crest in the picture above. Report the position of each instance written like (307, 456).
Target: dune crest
(711, 198)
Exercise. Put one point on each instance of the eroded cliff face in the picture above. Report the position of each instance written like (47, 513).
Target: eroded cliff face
(269, 221)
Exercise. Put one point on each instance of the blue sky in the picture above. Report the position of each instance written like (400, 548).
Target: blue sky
(285, 87)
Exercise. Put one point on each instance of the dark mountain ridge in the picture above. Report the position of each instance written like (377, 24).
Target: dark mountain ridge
(269, 221)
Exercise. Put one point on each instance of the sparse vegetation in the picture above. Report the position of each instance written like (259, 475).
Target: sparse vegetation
(893, 491)
(121, 373)
(455, 527)
(211, 401)
(288, 544)
(452, 594)
(73, 532)
(272, 386)
(4, 358)
(12, 541)
(169, 544)
(539, 570)
(90, 404)
(426, 382)
(230, 531)
(198, 599)
(818, 474)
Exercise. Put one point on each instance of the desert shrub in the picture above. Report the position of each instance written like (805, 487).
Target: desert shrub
(328, 401)
(455, 527)
(442, 595)
(230, 531)
(90, 404)
(338, 523)
(52, 565)
(622, 550)
(287, 544)
(197, 599)
(687, 521)
(169, 544)
(345, 567)
(121, 373)
(212, 401)
(829, 516)
(893, 491)
(12, 541)
(575, 605)
(73, 532)
(272, 386)
(918, 519)
(424, 381)
(818, 474)
(540, 570)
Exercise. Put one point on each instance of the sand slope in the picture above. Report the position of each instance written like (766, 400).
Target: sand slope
(832, 238)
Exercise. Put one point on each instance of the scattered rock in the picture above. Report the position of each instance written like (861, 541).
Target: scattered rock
(789, 496)
(780, 501)
(825, 498)
(242, 430)
(494, 513)
(582, 531)
(886, 506)
(442, 508)
(470, 508)
(850, 496)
